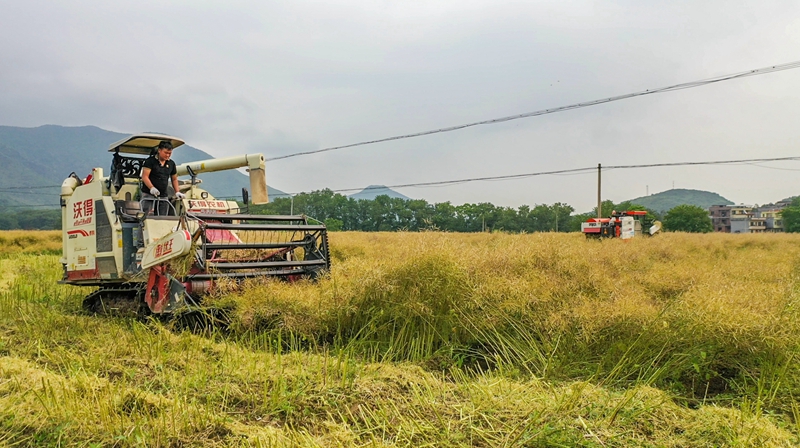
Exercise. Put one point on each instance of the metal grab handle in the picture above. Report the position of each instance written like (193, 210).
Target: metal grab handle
(156, 202)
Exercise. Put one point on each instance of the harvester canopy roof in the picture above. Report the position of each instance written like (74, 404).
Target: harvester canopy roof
(143, 144)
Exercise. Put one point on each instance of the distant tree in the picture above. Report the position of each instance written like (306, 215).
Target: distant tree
(688, 218)
(791, 216)
(8, 221)
(31, 220)
(422, 214)
(575, 221)
(385, 213)
(334, 224)
(606, 207)
(444, 217)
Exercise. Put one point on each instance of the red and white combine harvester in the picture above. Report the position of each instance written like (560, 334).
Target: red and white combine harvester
(169, 261)
(623, 225)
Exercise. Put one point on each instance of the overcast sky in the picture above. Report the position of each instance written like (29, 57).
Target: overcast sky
(277, 78)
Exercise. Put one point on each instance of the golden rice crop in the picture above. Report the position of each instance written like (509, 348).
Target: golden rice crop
(30, 241)
(718, 284)
(430, 339)
(697, 312)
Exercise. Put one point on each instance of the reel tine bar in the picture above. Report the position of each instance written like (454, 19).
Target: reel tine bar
(241, 246)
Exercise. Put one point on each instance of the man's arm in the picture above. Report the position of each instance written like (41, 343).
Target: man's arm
(175, 183)
(174, 176)
(146, 178)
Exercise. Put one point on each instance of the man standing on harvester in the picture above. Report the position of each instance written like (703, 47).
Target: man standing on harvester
(158, 171)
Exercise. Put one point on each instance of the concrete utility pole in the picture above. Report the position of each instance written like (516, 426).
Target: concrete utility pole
(599, 201)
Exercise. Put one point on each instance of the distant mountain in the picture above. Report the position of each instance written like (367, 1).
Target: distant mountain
(34, 162)
(666, 200)
(373, 191)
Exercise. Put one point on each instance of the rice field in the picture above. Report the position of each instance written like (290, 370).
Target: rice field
(425, 339)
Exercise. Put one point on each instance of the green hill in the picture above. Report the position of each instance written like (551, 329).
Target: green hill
(666, 200)
(34, 162)
(373, 191)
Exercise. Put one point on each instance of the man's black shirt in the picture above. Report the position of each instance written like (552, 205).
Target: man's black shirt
(160, 175)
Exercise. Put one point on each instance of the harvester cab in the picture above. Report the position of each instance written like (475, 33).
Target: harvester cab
(623, 225)
(170, 260)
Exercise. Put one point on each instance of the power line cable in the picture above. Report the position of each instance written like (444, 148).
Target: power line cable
(585, 170)
(773, 167)
(571, 171)
(714, 162)
(686, 85)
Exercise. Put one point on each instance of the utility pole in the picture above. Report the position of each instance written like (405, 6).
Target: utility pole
(599, 201)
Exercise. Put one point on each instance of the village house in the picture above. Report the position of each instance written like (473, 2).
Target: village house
(746, 219)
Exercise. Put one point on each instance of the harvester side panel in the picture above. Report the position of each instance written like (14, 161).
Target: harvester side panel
(80, 233)
(109, 239)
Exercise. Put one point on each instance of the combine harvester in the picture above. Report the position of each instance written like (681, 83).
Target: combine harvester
(169, 262)
(623, 225)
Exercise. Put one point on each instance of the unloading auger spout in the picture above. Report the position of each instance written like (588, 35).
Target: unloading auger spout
(255, 168)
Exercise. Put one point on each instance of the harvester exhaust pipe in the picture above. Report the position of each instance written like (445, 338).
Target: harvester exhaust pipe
(253, 162)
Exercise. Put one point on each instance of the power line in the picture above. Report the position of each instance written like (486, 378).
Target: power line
(774, 167)
(584, 170)
(686, 85)
(714, 162)
(570, 171)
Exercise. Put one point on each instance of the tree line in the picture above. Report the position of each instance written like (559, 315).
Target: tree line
(384, 213)
(791, 216)
(388, 214)
(14, 219)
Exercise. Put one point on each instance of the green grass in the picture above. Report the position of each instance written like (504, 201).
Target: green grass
(428, 339)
